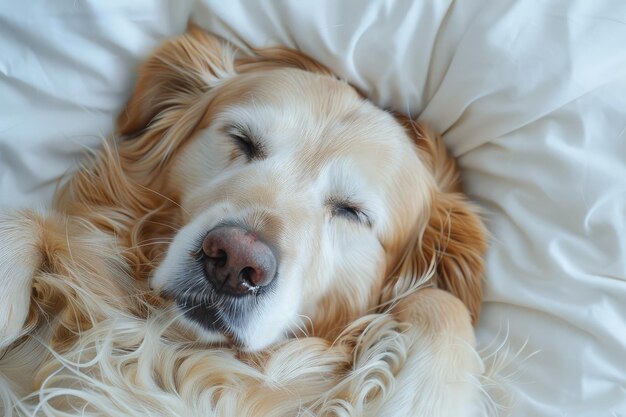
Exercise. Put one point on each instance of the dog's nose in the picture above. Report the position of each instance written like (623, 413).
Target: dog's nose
(237, 261)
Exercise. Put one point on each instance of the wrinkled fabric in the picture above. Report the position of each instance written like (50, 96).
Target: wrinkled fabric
(529, 95)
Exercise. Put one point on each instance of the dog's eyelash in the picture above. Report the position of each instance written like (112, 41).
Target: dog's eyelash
(248, 147)
(349, 211)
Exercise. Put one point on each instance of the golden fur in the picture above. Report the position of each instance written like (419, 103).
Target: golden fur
(398, 341)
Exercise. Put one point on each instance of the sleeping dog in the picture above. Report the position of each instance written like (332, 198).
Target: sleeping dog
(256, 240)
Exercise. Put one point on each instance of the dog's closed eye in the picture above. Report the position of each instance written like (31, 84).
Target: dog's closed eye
(348, 210)
(246, 143)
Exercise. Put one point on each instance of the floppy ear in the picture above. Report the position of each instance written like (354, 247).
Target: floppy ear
(454, 239)
(178, 71)
(170, 97)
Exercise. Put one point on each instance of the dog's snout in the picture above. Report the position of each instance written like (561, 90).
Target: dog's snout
(236, 261)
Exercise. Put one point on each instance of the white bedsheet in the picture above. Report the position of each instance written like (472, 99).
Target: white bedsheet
(530, 95)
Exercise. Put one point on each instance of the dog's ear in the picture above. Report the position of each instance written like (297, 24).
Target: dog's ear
(170, 96)
(453, 241)
(180, 70)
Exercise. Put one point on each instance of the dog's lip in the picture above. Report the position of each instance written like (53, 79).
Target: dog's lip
(171, 295)
(202, 313)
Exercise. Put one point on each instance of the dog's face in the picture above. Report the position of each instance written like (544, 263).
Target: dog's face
(293, 192)
(299, 198)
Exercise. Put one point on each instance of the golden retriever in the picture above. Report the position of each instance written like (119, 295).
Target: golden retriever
(257, 240)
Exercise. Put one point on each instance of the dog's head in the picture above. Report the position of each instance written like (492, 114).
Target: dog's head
(303, 205)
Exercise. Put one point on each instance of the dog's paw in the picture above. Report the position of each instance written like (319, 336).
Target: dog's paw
(20, 257)
(441, 357)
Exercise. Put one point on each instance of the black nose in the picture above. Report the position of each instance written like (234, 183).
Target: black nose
(237, 261)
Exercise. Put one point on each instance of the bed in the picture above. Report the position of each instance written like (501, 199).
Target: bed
(529, 96)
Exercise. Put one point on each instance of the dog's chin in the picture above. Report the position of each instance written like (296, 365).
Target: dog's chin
(219, 319)
(211, 338)
(203, 319)
(203, 315)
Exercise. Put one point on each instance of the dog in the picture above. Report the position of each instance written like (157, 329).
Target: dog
(257, 239)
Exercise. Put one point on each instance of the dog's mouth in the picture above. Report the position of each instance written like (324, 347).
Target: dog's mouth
(205, 302)
(218, 312)
(202, 313)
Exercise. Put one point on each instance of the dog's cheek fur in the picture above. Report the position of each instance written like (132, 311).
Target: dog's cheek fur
(354, 290)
